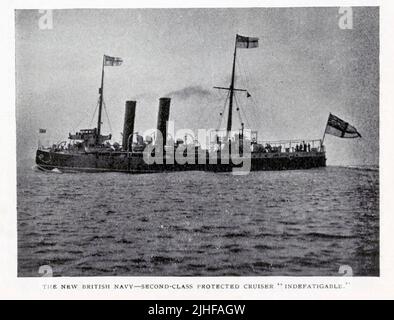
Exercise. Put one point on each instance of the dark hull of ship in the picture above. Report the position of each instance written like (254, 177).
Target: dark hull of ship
(134, 162)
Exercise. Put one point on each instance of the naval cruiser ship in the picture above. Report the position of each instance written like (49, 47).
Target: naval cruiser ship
(89, 150)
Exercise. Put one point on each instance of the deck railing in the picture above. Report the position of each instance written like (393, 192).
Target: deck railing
(295, 145)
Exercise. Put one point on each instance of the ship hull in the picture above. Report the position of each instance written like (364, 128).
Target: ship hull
(134, 163)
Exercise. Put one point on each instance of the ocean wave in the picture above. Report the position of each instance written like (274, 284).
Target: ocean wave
(362, 167)
(327, 235)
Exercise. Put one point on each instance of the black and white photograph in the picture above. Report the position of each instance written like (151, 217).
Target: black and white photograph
(198, 142)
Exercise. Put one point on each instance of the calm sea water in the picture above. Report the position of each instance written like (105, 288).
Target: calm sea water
(302, 222)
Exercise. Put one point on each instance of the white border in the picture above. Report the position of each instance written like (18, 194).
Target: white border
(12, 287)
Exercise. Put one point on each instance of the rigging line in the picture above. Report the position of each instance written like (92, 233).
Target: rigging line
(256, 118)
(82, 119)
(248, 122)
(246, 71)
(77, 126)
(254, 104)
(244, 79)
(241, 110)
(238, 111)
(106, 113)
(222, 112)
(255, 108)
(94, 113)
(204, 108)
(245, 74)
(246, 83)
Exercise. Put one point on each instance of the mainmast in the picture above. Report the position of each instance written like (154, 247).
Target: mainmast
(101, 91)
(231, 89)
(240, 42)
(230, 107)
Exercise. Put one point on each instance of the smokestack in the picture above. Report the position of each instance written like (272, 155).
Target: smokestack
(163, 116)
(128, 127)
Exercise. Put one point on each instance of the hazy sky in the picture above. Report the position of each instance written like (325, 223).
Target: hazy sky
(306, 66)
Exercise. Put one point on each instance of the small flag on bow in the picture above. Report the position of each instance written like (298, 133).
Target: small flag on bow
(340, 128)
(246, 42)
(112, 61)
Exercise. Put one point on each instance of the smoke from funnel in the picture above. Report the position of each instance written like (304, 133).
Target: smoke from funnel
(188, 92)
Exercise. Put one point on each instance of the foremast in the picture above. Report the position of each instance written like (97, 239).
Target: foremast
(112, 62)
(101, 92)
(93, 137)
